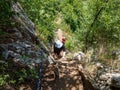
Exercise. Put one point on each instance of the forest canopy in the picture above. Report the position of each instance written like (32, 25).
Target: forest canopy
(88, 23)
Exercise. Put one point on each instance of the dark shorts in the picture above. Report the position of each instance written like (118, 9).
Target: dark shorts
(58, 50)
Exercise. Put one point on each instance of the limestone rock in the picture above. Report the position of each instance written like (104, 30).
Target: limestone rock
(113, 79)
(79, 56)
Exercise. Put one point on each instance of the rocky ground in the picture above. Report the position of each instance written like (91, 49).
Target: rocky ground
(69, 77)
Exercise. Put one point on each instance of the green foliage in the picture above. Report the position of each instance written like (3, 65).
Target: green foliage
(24, 74)
(92, 21)
(3, 76)
(100, 23)
(2, 32)
(73, 44)
(72, 14)
(5, 14)
(3, 79)
(10, 75)
(42, 13)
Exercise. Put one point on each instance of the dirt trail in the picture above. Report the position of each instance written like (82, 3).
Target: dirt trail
(69, 77)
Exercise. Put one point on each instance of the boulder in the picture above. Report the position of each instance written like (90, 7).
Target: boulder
(79, 56)
(112, 79)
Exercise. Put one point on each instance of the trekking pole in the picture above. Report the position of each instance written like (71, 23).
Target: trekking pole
(39, 77)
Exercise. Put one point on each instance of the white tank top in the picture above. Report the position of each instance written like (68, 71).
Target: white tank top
(58, 44)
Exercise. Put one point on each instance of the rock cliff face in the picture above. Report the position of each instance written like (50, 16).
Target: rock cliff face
(19, 43)
(103, 77)
(27, 27)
